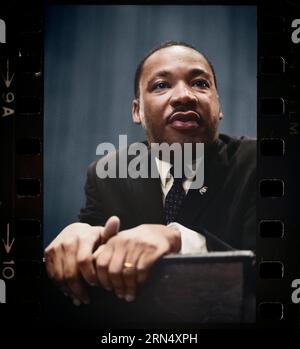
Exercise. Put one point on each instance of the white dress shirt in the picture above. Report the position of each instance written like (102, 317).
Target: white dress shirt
(191, 241)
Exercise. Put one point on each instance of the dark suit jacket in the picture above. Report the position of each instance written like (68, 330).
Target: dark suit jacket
(225, 214)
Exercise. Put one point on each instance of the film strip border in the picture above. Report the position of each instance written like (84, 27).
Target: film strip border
(278, 169)
(21, 132)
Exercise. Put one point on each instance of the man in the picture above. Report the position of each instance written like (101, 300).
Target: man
(128, 224)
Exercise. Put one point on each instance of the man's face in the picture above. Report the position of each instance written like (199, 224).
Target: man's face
(178, 99)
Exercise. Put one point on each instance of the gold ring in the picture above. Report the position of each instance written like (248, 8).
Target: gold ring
(128, 265)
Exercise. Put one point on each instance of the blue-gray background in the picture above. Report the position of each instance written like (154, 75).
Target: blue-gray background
(91, 53)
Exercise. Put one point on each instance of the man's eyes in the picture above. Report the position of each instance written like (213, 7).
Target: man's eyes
(201, 83)
(160, 85)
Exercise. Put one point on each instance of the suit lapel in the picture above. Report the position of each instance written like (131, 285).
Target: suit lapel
(215, 172)
(147, 196)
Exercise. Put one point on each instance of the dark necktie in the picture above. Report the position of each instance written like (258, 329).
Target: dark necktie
(174, 199)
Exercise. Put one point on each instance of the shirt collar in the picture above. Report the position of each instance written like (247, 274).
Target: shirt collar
(164, 167)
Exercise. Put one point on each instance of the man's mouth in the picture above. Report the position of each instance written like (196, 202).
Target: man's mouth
(184, 120)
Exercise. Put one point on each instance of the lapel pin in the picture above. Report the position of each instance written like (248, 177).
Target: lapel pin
(203, 190)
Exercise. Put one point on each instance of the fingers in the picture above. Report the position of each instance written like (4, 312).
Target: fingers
(54, 268)
(72, 274)
(61, 266)
(115, 270)
(122, 265)
(109, 260)
(69, 261)
(53, 265)
(85, 258)
(130, 273)
(124, 261)
(111, 228)
(109, 263)
(102, 259)
(84, 255)
(144, 264)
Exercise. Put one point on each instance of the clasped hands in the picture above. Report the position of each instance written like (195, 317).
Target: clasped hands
(104, 256)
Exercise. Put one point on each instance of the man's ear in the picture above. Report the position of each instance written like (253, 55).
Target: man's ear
(220, 109)
(136, 111)
(221, 114)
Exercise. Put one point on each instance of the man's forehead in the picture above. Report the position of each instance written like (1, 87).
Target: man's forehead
(172, 55)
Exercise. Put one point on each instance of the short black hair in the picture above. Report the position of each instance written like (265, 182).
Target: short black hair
(139, 68)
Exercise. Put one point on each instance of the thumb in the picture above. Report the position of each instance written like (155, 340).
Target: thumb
(111, 228)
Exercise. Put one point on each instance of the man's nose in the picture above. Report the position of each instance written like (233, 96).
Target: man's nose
(182, 94)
